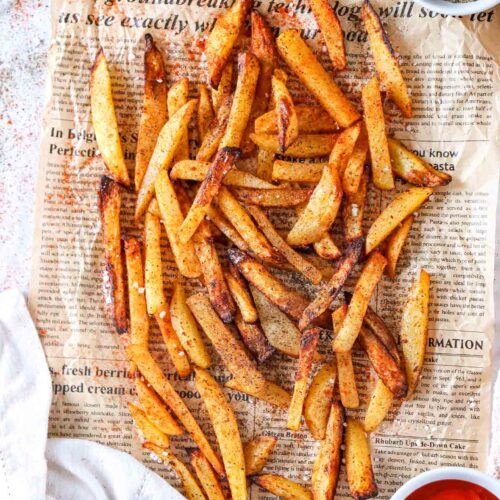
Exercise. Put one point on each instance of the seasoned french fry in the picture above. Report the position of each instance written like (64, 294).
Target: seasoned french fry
(286, 117)
(149, 430)
(155, 409)
(109, 201)
(326, 468)
(104, 120)
(255, 340)
(358, 462)
(319, 399)
(226, 228)
(344, 147)
(163, 154)
(205, 113)
(414, 330)
(231, 352)
(356, 164)
(379, 405)
(395, 244)
(403, 205)
(377, 139)
(222, 164)
(224, 90)
(222, 38)
(385, 60)
(413, 169)
(308, 343)
(367, 282)
(265, 164)
(282, 487)
(176, 98)
(226, 429)
(206, 476)
(326, 248)
(241, 294)
(154, 375)
(297, 172)
(257, 453)
(271, 393)
(354, 208)
(154, 108)
(304, 64)
(186, 328)
(306, 146)
(285, 197)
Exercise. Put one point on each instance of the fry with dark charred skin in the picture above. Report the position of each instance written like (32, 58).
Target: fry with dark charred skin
(385, 60)
(286, 117)
(282, 487)
(109, 201)
(104, 120)
(285, 197)
(148, 429)
(354, 209)
(241, 294)
(395, 245)
(223, 91)
(355, 168)
(257, 453)
(270, 392)
(255, 340)
(205, 113)
(226, 228)
(206, 475)
(176, 98)
(154, 108)
(305, 146)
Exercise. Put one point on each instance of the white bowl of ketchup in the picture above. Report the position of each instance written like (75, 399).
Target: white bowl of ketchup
(450, 483)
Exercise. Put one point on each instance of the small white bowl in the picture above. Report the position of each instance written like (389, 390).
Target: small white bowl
(460, 8)
(431, 476)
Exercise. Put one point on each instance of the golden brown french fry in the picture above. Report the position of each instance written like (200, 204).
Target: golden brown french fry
(413, 169)
(385, 60)
(222, 164)
(109, 201)
(367, 282)
(290, 171)
(328, 292)
(282, 487)
(224, 90)
(356, 164)
(255, 340)
(304, 64)
(163, 154)
(223, 37)
(306, 146)
(377, 139)
(176, 98)
(379, 405)
(226, 228)
(326, 468)
(286, 117)
(414, 330)
(308, 343)
(155, 409)
(270, 392)
(104, 120)
(265, 164)
(395, 244)
(154, 108)
(403, 205)
(241, 294)
(191, 488)
(344, 147)
(257, 453)
(226, 429)
(296, 260)
(285, 197)
(205, 113)
(231, 352)
(148, 429)
(358, 462)
(354, 208)
(206, 476)
(154, 375)
(326, 248)
(319, 399)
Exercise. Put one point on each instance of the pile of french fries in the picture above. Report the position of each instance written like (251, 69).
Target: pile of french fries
(245, 310)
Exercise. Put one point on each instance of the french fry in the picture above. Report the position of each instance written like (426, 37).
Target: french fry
(306, 146)
(104, 120)
(344, 147)
(241, 294)
(330, 290)
(358, 462)
(304, 64)
(367, 282)
(155, 410)
(289, 171)
(270, 392)
(154, 375)
(154, 108)
(296, 260)
(255, 340)
(109, 201)
(285, 197)
(377, 139)
(413, 169)
(257, 453)
(319, 399)
(286, 117)
(265, 164)
(222, 164)
(163, 154)
(176, 98)
(414, 330)
(248, 73)
(205, 113)
(354, 208)
(379, 405)
(308, 343)
(206, 476)
(403, 205)
(326, 248)
(385, 60)
(224, 90)
(231, 352)
(223, 37)
(395, 244)
(282, 487)
(226, 228)
(191, 488)
(355, 168)
(186, 328)
(148, 429)
(326, 468)
(226, 429)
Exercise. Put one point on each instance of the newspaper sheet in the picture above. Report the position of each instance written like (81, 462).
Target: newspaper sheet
(451, 65)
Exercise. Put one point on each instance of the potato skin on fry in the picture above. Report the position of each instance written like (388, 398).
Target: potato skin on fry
(253, 337)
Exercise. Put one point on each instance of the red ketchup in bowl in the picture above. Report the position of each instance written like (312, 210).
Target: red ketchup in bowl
(452, 489)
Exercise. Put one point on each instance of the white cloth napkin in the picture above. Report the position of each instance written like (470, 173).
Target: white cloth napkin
(33, 467)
